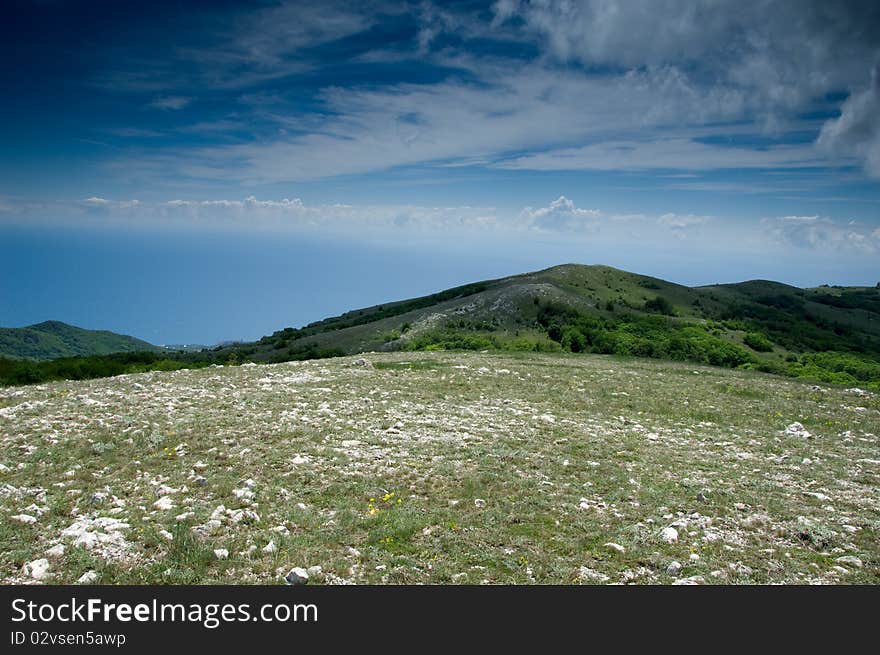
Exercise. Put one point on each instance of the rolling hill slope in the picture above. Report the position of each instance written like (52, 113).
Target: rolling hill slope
(599, 309)
(827, 334)
(54, 339)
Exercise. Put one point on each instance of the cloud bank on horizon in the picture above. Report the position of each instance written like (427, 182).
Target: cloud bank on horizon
(728, 124)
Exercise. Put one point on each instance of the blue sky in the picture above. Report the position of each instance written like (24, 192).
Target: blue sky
(221, 170)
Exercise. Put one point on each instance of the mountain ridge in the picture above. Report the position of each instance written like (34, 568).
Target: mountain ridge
(53, 339)
(827, 334)
(513, 304)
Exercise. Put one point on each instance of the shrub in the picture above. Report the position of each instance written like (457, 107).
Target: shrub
(659, 305)
(758, 342)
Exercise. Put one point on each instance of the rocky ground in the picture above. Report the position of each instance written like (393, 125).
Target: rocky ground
(441, 468)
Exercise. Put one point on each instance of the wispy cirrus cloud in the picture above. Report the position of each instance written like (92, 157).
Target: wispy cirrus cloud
(171, 102)
(673, 153)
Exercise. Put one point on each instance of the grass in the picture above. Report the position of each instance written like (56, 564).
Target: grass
(445, 467)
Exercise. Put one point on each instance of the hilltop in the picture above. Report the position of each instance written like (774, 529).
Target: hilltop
(54, 339)
(762, 324)
(441, 467)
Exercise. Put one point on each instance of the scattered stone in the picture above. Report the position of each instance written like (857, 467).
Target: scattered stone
(27, 519)
(669, 535)
(614, 546)
(243, 494)
(201, 481)
(479, 503)
(56, 551)
(858, 392)
(270, 547)
(89, 577)
(590, 575)
(673, 569)
(297, 576)
(166, 535)
(164, 503)
(101, 535)
(354, 552)
(850, 560)
(797, 430)
(360, 361)
(221, 553)
(38, 569)
(693, 580)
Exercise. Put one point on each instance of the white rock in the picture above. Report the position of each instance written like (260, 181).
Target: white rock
(38, 569)
(164, 503)
(270, 547)
(354, 552)
(669, 535)
(673, 569)
(851, 560)
(614, 546)
(693, 580)
(221, 553)
(56, 551)
(166, 535)
(299, 459)
(479, 503)
(797, 430)
(24, 518)
(89, 577)
(586, 574)
(102, 535)
(297, 576)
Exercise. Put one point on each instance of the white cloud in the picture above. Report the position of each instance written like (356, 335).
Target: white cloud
(171, 102)
(778, 53)
(369, 130)
(857, 130)
(109, 205)
(647, 76)
(671, 153)
(820, 233)
(561, 215)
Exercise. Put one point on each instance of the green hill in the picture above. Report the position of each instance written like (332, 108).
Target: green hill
(755, 324)
(827, 334)
(54, 339)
